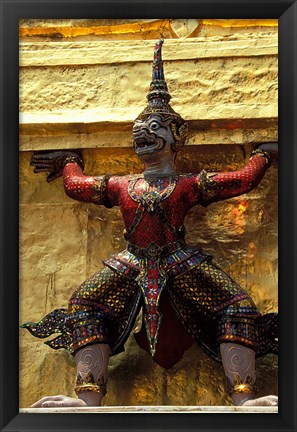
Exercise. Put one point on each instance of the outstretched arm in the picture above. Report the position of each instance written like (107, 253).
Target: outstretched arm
(220, 186)
(85, 188)
(69, 164)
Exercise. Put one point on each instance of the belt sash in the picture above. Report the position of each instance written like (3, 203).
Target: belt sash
(151, 267)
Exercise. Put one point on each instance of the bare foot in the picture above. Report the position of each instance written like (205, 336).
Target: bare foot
(262, 401)
(58, 401)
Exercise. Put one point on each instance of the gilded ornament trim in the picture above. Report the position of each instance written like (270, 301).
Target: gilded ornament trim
(240, 386)
(88, 384)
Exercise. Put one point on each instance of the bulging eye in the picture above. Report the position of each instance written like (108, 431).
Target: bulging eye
(154, 125)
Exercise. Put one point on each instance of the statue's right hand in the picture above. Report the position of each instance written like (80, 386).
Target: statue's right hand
(58, 401)
(53, 162)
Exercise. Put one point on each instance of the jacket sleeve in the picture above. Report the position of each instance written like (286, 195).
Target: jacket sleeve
(87, 189)
(220, 186)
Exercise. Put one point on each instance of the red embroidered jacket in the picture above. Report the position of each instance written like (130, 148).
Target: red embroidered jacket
(155, 211)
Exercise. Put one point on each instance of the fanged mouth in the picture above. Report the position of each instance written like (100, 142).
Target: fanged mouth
(142, 147)
(143, 144)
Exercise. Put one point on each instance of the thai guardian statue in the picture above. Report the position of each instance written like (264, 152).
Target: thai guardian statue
(178, 287)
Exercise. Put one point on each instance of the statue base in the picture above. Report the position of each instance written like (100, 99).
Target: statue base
(154, 409)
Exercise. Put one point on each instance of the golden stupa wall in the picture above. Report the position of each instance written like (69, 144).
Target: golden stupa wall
(82, 83)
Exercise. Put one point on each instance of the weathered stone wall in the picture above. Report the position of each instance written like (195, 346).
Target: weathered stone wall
(82, 83)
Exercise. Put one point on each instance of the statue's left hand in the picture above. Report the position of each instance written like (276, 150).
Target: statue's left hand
(271, 148)
(58, 401)
(270, 400)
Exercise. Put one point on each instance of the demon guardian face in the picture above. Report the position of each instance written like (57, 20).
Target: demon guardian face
(152, 135)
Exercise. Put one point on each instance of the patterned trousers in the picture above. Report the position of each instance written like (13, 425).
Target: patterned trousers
(211, 306)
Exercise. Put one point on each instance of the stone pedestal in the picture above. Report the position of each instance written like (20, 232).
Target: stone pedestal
(154, 410)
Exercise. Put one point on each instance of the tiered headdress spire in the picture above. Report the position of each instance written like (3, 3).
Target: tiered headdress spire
(158, 99)
(158, 96)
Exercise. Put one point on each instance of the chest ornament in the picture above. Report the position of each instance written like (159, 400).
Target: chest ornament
(150, 195)
(150, 201)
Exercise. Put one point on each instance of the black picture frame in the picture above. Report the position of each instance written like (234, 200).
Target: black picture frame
(11, 12)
